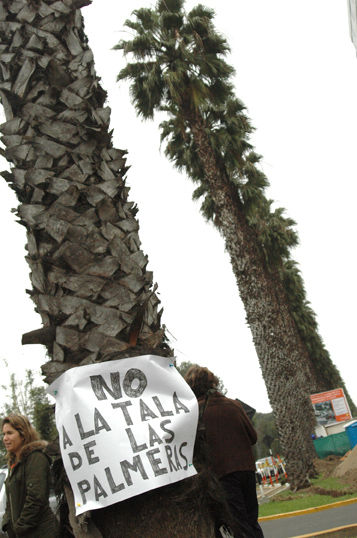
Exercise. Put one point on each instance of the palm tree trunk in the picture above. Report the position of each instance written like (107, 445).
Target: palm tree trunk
(89, 278)
(283, 358)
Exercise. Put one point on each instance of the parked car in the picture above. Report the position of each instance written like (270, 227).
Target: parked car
(3, 475)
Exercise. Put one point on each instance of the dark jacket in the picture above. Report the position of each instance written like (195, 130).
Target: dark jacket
(229, 435)
(28, 513)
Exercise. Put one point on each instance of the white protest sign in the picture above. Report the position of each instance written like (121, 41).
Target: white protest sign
(125, 426)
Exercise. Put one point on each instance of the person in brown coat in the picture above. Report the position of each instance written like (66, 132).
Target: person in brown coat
(27, 513)
(230, 436)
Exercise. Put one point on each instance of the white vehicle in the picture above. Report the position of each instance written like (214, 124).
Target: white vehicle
(3, 475)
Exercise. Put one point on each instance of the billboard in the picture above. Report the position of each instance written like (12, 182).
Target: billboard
(330, 407)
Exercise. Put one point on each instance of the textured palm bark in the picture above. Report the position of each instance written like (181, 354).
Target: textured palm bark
(283, 358)
(89, 278)
(88, 272)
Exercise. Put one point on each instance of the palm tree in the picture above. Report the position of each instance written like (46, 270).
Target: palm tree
(90, 282)
(178, 66)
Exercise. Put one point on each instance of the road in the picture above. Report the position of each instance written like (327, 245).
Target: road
(289, 527)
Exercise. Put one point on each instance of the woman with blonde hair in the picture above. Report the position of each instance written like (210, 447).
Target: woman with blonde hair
(27, 513)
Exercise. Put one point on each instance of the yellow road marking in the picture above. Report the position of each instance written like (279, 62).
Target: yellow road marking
(327, 532)
(309, 510)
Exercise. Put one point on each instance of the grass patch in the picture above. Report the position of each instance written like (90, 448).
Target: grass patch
(330, 483)
(323, 490)
(308, 501)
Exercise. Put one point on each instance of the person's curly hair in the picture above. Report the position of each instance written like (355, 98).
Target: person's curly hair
(23, 426)
(201, 380)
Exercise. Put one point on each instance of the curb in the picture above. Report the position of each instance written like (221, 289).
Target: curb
(309, 511)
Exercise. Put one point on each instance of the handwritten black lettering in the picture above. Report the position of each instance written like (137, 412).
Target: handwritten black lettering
(168, 450)
(136, 466)
(82, 433)
(90, 452)
(166, 430)
(83, 487)
(134, 446)
(75, 459)
(123, 406)
(161, 410)
(183, 455)
(99, 422)
(179, 405)
(131, 389)
(98, 385)
(114, 488)
(178, 464)
(66, 439)
(155, 462)
(153, 437)
(99, 491)
(145, 412)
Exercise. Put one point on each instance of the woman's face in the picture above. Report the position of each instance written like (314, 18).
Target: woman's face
(12, 439)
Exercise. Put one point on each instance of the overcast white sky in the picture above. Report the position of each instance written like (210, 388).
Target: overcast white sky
(297, 74)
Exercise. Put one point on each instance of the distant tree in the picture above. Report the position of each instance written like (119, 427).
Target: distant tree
(42, 412)
(28, 398)
(268, 439)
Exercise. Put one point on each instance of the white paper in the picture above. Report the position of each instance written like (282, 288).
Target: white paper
(339, 406)
(125, 426)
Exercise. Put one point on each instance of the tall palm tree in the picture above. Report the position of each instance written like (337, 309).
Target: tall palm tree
(90, 282)
(178, 66)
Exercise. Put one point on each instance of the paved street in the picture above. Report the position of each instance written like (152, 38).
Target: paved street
(308, 523)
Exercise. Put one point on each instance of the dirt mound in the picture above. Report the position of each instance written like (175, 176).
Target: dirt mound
(351, 478)
(348, 466)
(327, 466)
(344, 468)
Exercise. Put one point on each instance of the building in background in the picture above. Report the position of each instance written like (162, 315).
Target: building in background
(352, 11)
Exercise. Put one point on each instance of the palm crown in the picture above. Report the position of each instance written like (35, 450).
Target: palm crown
(178, 66)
